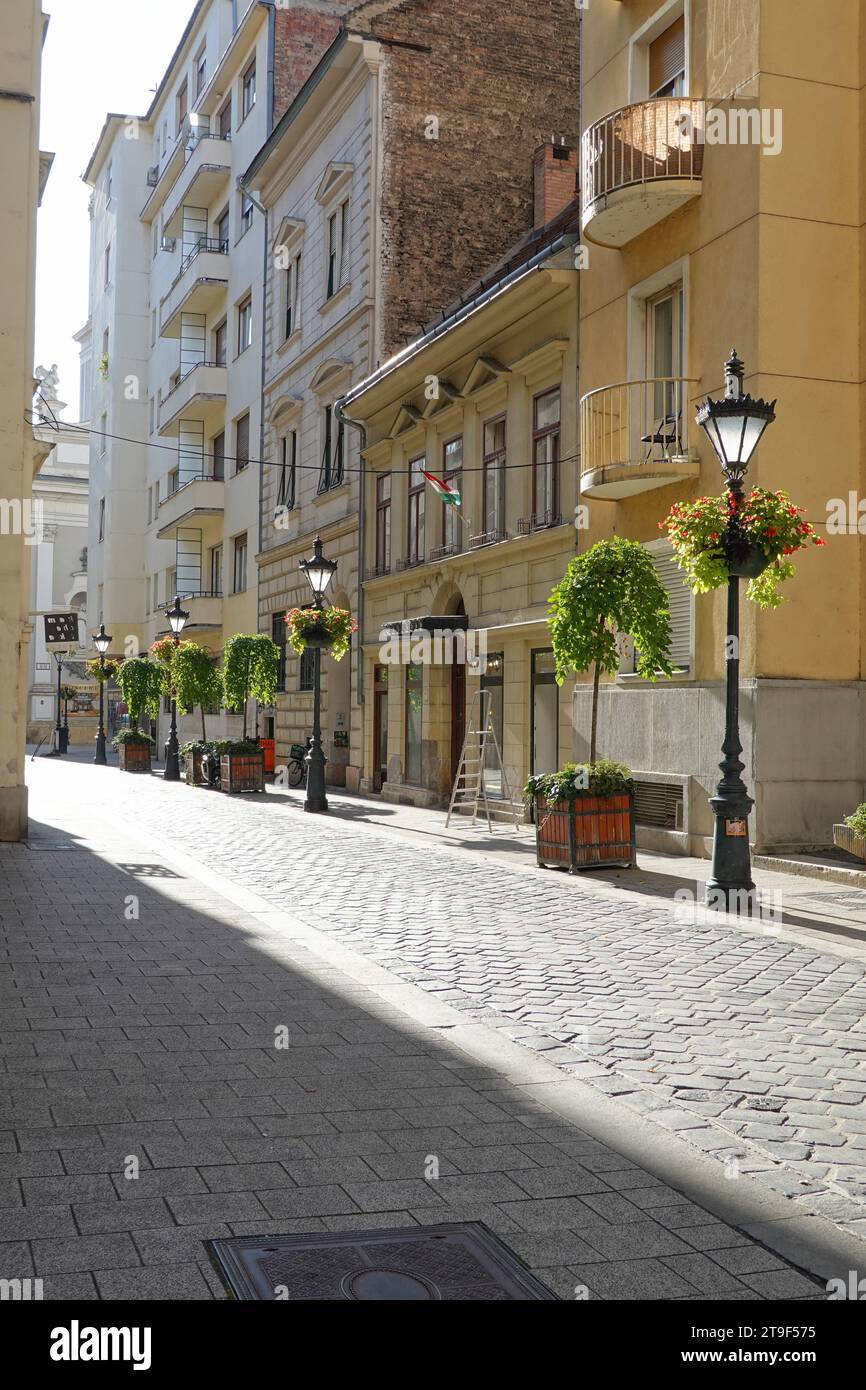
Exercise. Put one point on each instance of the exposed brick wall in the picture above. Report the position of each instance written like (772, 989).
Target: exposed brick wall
(502, 79)
(555, 176)
(302, 34)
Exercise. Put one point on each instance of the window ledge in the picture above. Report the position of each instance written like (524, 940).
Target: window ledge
(682, 676)
(337, 297)
(293, 340)
(331, 492)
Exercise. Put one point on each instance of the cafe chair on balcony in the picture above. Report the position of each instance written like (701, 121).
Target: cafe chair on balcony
(666, 433)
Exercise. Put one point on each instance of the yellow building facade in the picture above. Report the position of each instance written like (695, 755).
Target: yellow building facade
(722, 206)
(455, 598)
(23, 171)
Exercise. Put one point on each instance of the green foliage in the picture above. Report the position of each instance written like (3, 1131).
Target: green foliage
(251, 665)
(702, 531)
(337, 622)
(612, 588)
(601, 778)
(141, 683)
(857, 820)
(100, 673)
(195, 745)
(130, 736)
(195, 677)
(235, 745)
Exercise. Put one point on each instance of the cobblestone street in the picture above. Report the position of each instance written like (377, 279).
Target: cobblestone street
(518, 1027)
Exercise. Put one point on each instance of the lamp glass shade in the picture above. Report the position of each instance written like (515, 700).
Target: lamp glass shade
(735, 437)
(102, 640)
(177, 618)
(320, 572)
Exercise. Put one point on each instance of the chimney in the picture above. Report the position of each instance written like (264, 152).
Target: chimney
(555, 175)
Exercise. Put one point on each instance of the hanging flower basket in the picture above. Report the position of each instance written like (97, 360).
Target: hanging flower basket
(328, 629)
(714, 538)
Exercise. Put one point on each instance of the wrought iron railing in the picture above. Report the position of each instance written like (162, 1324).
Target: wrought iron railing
(539, 521)
(487, 538)
(652, 140)
(638, 423)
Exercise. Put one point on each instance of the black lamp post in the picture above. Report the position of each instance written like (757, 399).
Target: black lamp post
(734, 427)
(61, 733)
(320, 572)
(177, 618)
(101, 642)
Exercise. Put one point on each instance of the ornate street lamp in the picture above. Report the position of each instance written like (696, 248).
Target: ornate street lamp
(319, 572)
(734, 427)
(177, 618)
(102, 643)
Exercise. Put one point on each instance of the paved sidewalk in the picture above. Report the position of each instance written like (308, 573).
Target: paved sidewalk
(145, 1107)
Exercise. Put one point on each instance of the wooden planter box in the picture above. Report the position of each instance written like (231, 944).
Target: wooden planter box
(134, 757)
(592, 832)
(242, 772)
(846, 838)
(194, 776)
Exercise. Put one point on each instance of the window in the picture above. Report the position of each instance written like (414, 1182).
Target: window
(155, 246)
(152, 329)
(307, 678)
(245, 324)
(494, 475)
(200, 73)
(239, 573)
(278, 634)
(220, 343)
(682, 611)
(331, 471)
(170, 584)
(108, 182)
(246, 214)
(103, 434)
(415, 548)
(224, 121)
(664, 356)
(248, 90)
(545, 458)
(216, 570)
(173, 481)
(452, 474)
(182, 105)
(107, 275)
(218, 456)
(288, 471)
(338, 225)
(106, 338)
(414, 720)
(101, 519)
(383, 523)
(293, 302)
(667, 62)
(242, 443)
(221, 228)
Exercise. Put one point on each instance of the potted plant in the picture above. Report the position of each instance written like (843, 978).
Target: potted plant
(133, 748)
(102, 671)
(241, 765)
(716, 537)
(851, 834)
(251, 665)
(328, 628)
(584, 816)
(142, 683)
(610, 591)
(192, 754)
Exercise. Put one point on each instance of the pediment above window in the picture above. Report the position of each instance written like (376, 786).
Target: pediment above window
(408, 417)
(334, 183)
(289, 233)
(486, 370)
(335, 372)
(284, 409)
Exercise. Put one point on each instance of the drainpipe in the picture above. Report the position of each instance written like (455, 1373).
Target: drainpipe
(343, 419)
(272, 62)
(263, 210)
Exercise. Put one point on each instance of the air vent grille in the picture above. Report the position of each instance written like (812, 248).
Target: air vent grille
(659, 804)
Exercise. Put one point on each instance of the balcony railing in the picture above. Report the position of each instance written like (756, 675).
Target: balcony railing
(377, 572)
(410, 562)
(444, 552)
(637, 435)
(539, 521)
(640, 164)
(487, 538)
(203, 244)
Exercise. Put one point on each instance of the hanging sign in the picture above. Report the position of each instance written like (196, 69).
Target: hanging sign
(61, 629)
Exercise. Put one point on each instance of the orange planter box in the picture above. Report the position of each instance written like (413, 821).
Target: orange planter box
(589, 832)
(134, 757)
(242, 772)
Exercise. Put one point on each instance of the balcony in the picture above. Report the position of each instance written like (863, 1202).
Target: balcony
(200, 395)
(199, 286)
(205, 612)
(187, 505)
(161, 178)
(635, 436)
(205, 173)
(640, 164)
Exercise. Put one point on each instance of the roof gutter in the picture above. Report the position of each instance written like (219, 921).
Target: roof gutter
(458, 316)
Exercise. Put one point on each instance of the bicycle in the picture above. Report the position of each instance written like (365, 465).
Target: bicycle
(297, 766)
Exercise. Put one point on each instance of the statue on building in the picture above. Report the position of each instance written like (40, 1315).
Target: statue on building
(47, 401)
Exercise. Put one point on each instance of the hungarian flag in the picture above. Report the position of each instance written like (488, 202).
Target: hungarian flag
(450, 496)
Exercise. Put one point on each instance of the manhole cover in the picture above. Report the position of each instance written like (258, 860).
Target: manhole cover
(848, 897)
(432, 1263)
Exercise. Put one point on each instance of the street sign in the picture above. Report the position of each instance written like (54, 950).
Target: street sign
(61, 629)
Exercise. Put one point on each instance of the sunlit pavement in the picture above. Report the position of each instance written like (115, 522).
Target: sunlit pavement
(627, 1099)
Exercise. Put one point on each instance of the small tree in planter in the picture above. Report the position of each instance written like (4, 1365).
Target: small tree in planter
(192, 678)
(141, 683)
(851, 834)
(584, 815)
(251, 664)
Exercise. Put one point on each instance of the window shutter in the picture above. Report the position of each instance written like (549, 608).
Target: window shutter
(667, 55)
(682, 607)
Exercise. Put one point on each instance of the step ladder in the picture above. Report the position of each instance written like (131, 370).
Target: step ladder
(469, 788)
